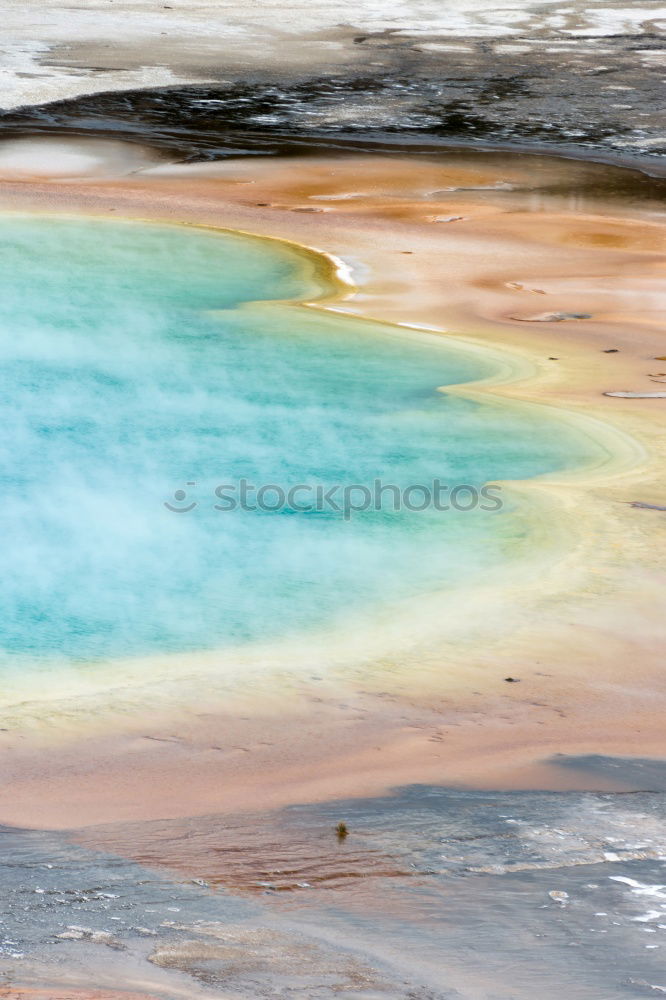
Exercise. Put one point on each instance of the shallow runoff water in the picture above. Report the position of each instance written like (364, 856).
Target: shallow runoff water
(435, 894)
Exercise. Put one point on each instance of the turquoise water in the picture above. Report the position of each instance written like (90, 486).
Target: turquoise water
(138, 359)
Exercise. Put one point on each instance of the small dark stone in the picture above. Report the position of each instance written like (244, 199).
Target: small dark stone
(512, 680)
(611, 350)
(553, 359)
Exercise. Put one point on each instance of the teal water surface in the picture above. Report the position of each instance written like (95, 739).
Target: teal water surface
(139, 360)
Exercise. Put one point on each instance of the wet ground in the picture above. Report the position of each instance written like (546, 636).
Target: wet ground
(508, 109)
(433, 893)
(583, 80)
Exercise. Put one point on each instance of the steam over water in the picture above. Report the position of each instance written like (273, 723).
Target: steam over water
(141, 359)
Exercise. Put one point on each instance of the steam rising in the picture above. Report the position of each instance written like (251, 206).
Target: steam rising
(133, 364)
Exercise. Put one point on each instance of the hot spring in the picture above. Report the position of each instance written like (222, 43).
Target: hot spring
(144, 366)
